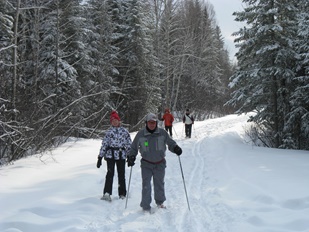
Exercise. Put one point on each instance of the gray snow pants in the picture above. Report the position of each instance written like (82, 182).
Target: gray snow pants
(156, 172)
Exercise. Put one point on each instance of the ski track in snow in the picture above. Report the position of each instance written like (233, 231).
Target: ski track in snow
(227, 192)
(216, 217)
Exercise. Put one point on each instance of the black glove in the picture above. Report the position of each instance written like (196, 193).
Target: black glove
(131, 160)
(99, 163)
(177, 150)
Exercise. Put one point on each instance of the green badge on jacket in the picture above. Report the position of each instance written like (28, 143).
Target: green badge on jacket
(146, 144)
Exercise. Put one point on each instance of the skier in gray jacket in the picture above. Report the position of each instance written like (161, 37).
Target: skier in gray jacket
(151, 142)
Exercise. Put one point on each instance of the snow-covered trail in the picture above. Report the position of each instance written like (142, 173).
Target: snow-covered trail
(207, 212)
(231, 186)
(260, 189)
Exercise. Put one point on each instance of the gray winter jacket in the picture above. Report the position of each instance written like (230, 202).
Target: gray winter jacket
(152, 146)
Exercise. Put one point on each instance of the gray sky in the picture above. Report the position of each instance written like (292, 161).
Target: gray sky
(224, 10)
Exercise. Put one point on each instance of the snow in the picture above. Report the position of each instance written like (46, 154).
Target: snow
(232, 186)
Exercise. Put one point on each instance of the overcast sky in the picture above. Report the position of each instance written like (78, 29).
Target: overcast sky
(224, 10)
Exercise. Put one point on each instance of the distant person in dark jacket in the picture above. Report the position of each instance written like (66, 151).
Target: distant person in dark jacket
(188, 120)
(168, 119)
(115, 147)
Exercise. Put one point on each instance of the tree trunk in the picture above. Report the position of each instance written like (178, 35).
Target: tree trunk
(15, 60)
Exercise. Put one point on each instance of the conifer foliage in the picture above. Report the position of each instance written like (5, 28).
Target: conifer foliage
(272, 74)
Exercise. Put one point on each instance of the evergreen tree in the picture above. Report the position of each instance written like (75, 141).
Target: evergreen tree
(57, 78)
(135, 61)
(296, 129)
(98, 63)
(265, 78)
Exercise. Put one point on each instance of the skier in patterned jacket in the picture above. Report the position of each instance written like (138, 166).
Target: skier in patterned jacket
(115, 147)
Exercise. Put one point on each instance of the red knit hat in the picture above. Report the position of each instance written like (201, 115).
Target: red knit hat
(114, 115)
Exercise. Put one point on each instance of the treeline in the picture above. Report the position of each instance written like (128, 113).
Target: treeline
(65, 64)
(272, 78)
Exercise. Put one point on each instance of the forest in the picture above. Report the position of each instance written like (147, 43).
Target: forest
(65, 64)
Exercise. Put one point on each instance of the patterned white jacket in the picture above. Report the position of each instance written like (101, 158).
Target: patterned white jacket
(116, 143)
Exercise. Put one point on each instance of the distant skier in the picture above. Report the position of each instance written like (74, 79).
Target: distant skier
(115, 147)
(168, 119)
(188, 120)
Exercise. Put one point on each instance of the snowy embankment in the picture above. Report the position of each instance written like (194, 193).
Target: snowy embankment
(232, 187)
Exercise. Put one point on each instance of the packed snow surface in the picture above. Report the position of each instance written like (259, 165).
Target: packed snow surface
(231, 185)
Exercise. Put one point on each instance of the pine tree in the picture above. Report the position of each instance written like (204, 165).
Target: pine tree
(266, 58)
(47, 86)
(135, 61)
(296, 129)
(98, 63)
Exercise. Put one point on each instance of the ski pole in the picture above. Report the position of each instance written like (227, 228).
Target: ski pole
(175, 131)
(184, 184)
(128, 187)
(182, 128)
(195, 136)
